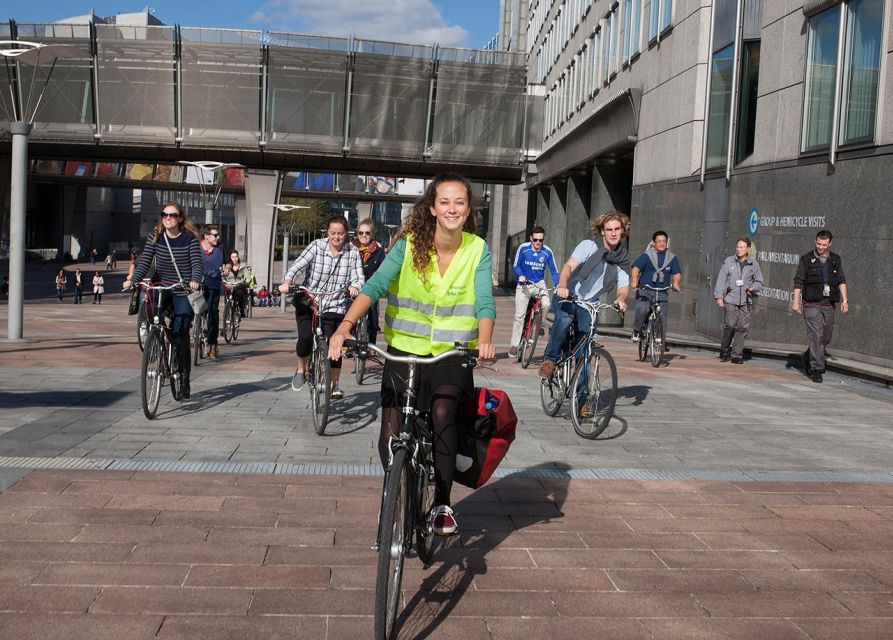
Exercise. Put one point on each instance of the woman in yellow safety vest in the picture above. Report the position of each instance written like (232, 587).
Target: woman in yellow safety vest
(438, 286)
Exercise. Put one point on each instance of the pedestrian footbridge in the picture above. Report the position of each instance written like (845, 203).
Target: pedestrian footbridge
(273, 101)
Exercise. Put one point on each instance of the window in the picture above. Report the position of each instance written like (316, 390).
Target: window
(747, 99)
(660, 17)
(595, 67)
(861, 65)
(720, 107)
(632, 15)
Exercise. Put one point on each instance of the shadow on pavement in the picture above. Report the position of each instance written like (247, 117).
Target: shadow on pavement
(75, 399)
(633, 395)
(538, 501)
(354, 413)
(215, 396)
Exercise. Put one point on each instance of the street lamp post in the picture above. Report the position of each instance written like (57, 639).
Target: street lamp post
(286, 240)
(20, 128)
(211, 166)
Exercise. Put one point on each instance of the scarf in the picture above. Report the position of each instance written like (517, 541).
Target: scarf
(658, 277)
(367, 251)
(618, 258)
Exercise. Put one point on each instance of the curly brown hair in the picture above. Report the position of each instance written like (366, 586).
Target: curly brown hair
(185, 223)
(421, 224)
(598, 225)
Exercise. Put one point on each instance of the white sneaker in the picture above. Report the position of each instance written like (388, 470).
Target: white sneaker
(634, 337)
(337, 393)
(513, 352)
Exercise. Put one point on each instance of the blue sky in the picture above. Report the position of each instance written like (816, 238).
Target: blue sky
(458, 23)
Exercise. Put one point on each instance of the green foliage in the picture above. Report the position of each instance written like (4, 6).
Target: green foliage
(308, 221)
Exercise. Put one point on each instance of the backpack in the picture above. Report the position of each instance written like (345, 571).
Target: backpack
(486, 430)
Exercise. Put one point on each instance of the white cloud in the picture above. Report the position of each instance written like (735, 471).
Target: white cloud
(407, 21)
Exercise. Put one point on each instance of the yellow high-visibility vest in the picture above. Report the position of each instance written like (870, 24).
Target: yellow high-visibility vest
(429, 318)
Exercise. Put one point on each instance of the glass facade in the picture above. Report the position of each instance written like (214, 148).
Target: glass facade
(720, 107)
(747, 99)
(821, 69)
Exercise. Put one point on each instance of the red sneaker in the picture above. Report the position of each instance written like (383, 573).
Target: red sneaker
(444, 523)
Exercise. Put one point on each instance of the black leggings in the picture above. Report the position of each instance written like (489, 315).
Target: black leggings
(445, 402)
(328, 322)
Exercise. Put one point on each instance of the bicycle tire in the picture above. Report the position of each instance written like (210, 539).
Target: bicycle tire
(600, 394)
(197, 339)
(657, 342)
(359, 363)
(644, 338)
(175, 378)
(425, 540)
(237, 322)
(320, 391)
(142, 328)
(530, 340)
(552, 390)
(151, 374)
(392, 547)
(227, 322)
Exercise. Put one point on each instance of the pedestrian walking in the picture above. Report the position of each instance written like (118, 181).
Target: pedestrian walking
(114, 259)
(93, 255)
(819, 285)
(108, 262)
(739, 281)
(98, 287)
(60, 284)
(78, 285)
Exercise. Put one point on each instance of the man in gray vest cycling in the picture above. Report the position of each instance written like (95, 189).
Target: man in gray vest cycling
(657, 267)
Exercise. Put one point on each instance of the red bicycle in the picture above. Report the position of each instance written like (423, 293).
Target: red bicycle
(533, 325)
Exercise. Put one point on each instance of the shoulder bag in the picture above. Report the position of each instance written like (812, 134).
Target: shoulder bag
(196, 298)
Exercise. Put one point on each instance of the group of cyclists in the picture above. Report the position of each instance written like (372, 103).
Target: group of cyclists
(436, 282)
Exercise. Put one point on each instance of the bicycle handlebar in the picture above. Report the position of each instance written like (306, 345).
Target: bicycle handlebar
(648, 286)
(307, 290)
(461, 350)
(156, 287)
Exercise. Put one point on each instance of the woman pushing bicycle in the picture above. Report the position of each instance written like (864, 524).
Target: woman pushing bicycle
(436, 279)
(177, 255)
(334, 265)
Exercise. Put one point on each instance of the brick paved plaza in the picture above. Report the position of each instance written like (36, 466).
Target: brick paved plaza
(723, 502)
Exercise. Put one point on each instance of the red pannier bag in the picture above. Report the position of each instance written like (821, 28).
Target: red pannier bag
(486, 429)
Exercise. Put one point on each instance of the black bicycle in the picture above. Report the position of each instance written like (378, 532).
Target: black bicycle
(200, 337)
(652, 338)
(361, 331)
(232, 316)
(404, 522)
(161, 360)
(586, 374)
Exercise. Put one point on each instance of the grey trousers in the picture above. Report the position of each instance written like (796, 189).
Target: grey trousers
(735, 325)
(819, 327)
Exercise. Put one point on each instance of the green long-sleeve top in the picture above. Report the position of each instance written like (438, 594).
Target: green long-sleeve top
(484, 305)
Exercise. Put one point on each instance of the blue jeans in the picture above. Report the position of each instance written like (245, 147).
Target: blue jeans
(213, 329)
(565, 314)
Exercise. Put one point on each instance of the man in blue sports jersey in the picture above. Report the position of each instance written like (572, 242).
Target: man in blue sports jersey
(657, 267)
(531, 261)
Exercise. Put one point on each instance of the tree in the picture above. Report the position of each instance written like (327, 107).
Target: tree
(304, 223)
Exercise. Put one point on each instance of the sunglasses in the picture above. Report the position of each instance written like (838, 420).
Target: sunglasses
(364, 233)
(165, 214)
(537, 239)
(214, 235)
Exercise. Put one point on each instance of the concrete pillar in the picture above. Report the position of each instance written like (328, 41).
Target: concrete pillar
(578, 210)
(240, 233)
(611, 187)
(558, 235)
(262, 189)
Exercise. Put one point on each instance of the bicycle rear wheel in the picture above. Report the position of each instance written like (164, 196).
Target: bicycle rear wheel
(142, 328)
(657, 341)
(359, 362)
(197, 340)
(425, 540)
(644, 338)
(236, 322)
(320, 389)
(553, 389)
(531, 336)
(152, 374)
(176, 377)
(392, 547)
(594, 393)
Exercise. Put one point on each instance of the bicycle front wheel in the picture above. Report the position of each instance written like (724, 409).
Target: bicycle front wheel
(531, 337)
(644, 339)
(176, 377)
(320, 390)
(236, 315)
(392, 547)
(657, 341)
(228, 322)
(425, 540)
(594, 393)
(359, 362)
(152, 374)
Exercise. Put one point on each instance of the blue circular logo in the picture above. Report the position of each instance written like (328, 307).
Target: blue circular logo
(754, 222)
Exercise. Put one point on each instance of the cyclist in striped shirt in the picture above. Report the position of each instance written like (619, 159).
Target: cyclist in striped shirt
(174, 238)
